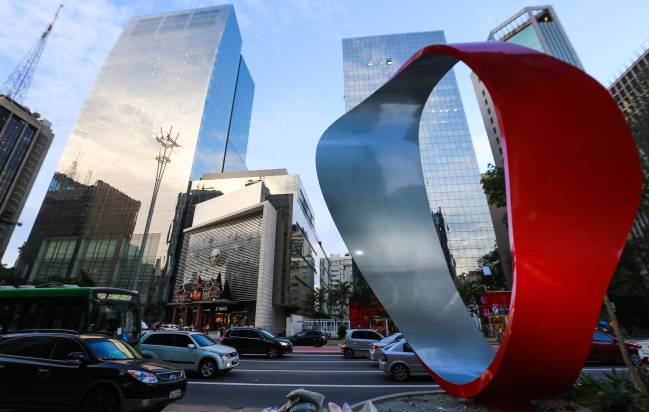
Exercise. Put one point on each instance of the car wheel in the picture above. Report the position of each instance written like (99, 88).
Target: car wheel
(636, 359)
(400, 372)
(102, 399)
(208, 368)
(348, 353)
(272, 353)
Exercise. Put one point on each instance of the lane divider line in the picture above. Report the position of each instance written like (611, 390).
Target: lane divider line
(306, 385)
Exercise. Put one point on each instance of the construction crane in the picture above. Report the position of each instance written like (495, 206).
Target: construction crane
(17, 84)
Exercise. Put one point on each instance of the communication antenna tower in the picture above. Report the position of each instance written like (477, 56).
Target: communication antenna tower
(17, 84)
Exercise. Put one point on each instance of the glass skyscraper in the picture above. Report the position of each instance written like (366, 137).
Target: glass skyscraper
(448, 160)
(182, 69)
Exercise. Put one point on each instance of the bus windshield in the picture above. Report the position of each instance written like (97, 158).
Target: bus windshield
(118, 319)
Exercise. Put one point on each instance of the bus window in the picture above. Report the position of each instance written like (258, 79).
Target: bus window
(42, 313)
(116, 319)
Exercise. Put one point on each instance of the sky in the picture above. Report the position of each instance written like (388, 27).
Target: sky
(294, 53)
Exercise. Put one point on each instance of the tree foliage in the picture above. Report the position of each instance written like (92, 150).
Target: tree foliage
(493, 184)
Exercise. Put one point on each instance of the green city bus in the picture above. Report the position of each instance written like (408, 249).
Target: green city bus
(83, 309)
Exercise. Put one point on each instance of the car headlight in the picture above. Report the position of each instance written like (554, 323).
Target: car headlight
(145, 377)
(225, 356)
(283, 343)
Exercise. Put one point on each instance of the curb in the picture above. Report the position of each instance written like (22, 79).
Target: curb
(395, 395)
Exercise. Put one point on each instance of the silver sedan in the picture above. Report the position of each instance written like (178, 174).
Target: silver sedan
(400, 361)
(375, 348)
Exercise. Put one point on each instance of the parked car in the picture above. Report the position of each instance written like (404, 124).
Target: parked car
(399, 361)
(358, 341)
(375, 348)
(309, 338)
(84, 372)
(249, 340)
(643, 351)
(169, 326)
(604, 348)
(191, 351)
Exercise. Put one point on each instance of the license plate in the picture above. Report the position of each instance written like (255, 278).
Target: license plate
(175, 394)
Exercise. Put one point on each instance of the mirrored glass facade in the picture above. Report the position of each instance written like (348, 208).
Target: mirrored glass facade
(25, 138)
(447, 156)
(181, 69)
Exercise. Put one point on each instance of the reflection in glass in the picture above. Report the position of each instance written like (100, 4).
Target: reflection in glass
(448, 161)
(183, 69)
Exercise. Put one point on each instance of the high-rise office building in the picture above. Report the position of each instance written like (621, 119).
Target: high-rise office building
(183, 69)
(335, 269)
(630, 89)
(448, 160)
(537, 28)
(25, 138)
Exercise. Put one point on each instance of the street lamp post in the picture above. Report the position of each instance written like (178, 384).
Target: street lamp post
(167, 145)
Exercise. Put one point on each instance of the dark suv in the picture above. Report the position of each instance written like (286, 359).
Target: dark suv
(256, 340)
(71, 371)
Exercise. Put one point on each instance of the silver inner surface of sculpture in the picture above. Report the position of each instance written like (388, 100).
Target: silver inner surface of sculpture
(369, 168)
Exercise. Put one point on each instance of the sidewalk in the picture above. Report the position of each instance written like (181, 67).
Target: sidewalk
(328, 350)
(178, 407)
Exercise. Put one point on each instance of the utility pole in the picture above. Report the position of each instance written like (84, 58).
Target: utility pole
(167, 145)
(633, 372)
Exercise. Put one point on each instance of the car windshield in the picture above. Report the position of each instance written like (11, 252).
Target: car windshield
(203, 340)
(266, 333)
(111, 349)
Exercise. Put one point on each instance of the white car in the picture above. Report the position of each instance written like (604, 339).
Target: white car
(191, 351)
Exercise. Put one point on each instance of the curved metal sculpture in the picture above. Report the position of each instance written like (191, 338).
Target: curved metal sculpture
(573, 186)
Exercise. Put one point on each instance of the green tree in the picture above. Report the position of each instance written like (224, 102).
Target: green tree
(338, 297)
(493, 184)
(470, 288)
(8, 276)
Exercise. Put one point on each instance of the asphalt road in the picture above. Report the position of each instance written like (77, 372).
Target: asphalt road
(259, 382)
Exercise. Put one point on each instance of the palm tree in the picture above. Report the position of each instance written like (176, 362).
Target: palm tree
(341, 292)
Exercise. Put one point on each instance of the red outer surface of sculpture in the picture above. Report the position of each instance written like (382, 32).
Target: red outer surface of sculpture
(573, 187)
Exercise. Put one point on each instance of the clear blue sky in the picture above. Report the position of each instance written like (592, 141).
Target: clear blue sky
(293, 50)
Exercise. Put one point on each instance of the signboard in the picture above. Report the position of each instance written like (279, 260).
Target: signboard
(115, 297)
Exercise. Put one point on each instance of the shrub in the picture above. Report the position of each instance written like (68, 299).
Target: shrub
(614, 393)
(342, 330)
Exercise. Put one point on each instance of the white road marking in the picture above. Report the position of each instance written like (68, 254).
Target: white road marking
(303, 371)
(304, 361)
(307, 385)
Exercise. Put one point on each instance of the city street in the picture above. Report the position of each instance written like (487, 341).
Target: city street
(259, 382)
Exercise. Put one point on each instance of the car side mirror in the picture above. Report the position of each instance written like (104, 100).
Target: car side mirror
(191, 346)
(78, 358)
